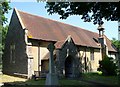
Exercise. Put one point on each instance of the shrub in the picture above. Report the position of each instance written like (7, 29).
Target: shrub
(107, 66)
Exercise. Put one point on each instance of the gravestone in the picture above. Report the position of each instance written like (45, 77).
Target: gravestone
(51, 78)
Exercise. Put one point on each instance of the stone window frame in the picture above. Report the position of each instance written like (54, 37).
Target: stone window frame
(12, 53)
(92, 54)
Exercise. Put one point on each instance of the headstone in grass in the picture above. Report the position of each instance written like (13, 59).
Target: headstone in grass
(51, 78)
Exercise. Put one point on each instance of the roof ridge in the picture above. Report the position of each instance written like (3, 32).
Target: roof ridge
(56, 21)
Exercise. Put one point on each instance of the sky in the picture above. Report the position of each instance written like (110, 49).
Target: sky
(31, 6)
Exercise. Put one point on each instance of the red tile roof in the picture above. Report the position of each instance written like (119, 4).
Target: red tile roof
(59, 44)
(111, 47)
(50, 30)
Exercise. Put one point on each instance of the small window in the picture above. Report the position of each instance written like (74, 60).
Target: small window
(92, 54)
(12, 53)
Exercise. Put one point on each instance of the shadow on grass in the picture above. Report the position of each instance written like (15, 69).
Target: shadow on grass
(41, 83)
(86, 80)
(28, 83)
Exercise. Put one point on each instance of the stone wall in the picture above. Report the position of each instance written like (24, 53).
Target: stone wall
(15, 57)
(85, 55)
(43, 50)
(40, 55)
(35, 58)
(69, 49)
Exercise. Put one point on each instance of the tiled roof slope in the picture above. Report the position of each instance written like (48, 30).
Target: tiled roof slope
(46, 29)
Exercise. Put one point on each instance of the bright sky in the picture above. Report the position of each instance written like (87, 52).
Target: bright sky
(111, 28)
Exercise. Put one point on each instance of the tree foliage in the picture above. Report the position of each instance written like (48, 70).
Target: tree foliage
(107, 66)
(4, 33)
(116, 43)
(89, 11)
(4, 8)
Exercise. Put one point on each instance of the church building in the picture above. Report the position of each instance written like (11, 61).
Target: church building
(76, 50)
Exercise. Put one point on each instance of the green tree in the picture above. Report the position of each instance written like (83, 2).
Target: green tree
(107, 66)
(116, 43)
(4, 8)
(90, 11)
(4, 32)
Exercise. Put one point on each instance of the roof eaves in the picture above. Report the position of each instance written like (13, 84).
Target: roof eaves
(115, 49)
(40, 39)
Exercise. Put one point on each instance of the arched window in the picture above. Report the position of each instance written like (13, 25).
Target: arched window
(12, 53)
(91, 54)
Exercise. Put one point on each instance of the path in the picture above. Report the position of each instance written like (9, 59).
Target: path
(7, 78)
(1, 79)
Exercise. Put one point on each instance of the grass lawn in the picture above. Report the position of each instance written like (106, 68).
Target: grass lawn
(107, 80)
(85, 81)
(62, 82)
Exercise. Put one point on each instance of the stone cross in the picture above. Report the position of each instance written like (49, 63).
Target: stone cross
(51, 59)
(51, 78)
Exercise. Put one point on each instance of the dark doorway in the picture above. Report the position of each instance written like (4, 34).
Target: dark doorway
(68, 67)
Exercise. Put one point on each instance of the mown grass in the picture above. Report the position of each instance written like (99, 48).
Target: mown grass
(62, 82)
(107, 80)
(74, 82)
(86, 80)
